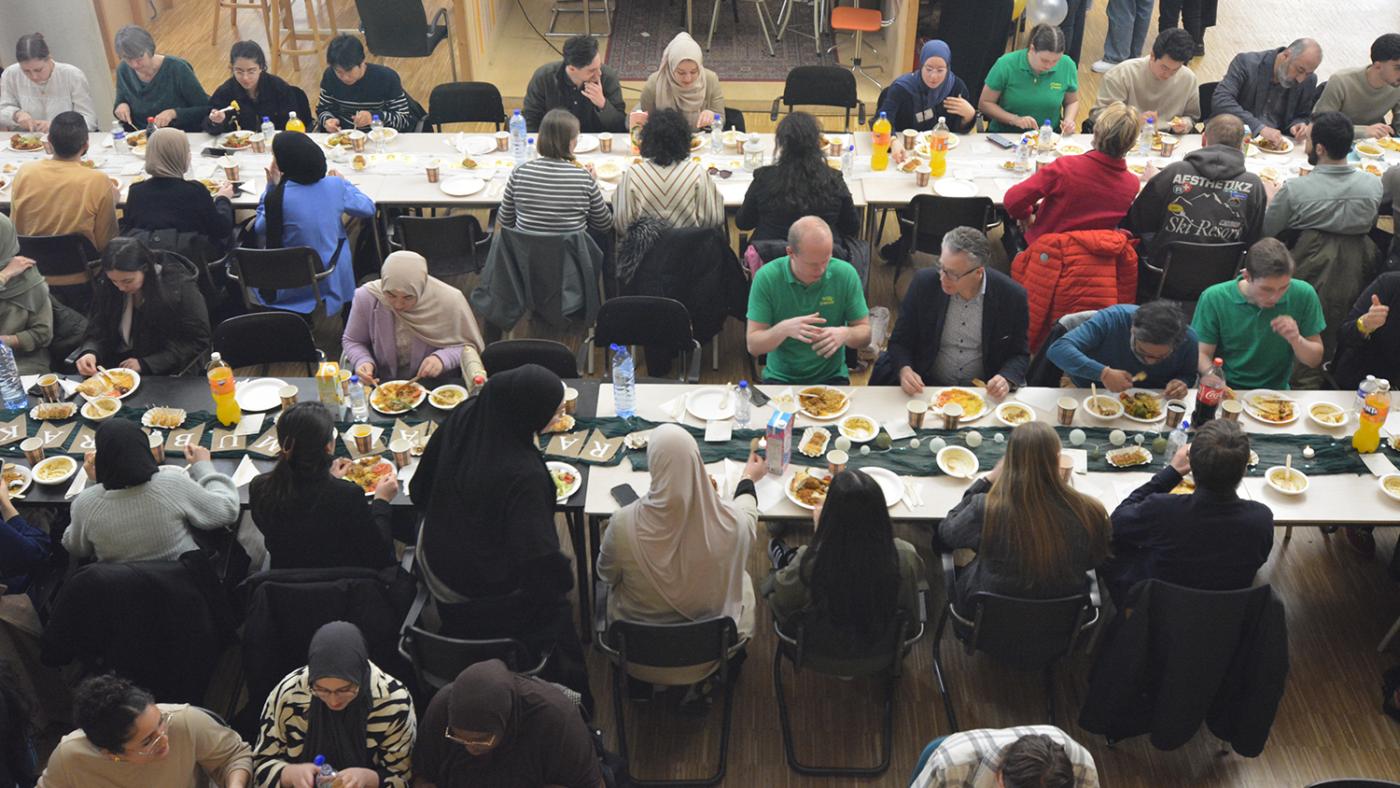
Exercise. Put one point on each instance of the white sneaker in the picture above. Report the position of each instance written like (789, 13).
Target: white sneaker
(1102, 66)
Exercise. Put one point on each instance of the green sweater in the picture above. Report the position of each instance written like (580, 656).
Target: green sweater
(174, 87)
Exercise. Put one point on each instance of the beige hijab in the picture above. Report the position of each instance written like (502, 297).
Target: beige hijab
(168, 153)
(441, 316)
(691, 544)
(670, 94)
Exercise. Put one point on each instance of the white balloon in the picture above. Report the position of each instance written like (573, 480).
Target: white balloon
(1050, 12)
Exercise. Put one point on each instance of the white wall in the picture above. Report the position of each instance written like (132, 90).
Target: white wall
(70, 28)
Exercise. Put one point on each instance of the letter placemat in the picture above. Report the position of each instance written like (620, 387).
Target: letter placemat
(54, 436)
(600, 448)
(266, 445)
(226, 441)
(84, 442)
(566, 445)
(14, 431)
(179, 439)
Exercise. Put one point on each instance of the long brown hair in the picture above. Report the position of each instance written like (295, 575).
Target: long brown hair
(1024, 506)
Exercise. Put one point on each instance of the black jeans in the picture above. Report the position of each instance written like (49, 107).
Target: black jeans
(1189, 12)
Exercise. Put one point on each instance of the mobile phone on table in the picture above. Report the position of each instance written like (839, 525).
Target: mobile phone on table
(1000, 141)
(624, 494)
(758, 398)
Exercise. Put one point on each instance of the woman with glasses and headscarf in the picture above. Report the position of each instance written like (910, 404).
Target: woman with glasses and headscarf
(136, 511)
(343, 708)
(918, 99)
(491, 728)
(257, 92)
(127, 740)
(167, 201)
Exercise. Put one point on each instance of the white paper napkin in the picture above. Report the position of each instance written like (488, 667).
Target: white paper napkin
(406, 476)
(730, 480)
(79, 482)
(245, 472)
(770, 491)
(1080, 457)
(898, 429)
(250, 424)
(1378, 463)
(718, 430)
(673, 409)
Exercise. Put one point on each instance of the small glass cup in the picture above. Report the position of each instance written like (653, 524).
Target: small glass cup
(33, 449)
(836, 461)
(158, 446)
(1230, 409)
(1176, 411)
(1066, 406)
(605, 140)
(288, 394)
(364, 437)
(570, 399)
(51, 388)
(502, 140)
(952, 414)
(401, 449)
(918, 410)
(433, 170)
(358, 141)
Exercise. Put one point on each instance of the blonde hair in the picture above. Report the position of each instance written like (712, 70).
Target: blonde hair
(1116, 129)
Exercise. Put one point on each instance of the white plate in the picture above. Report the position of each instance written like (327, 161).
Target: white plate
(954, 187)
(803, 409)
(555, 465)
(1140, 451)
(1105, 396)
(947, 452)
(863, 436)
(890, 483)
(223, 142)
(87, 412)
(393, 472)
(259, 394)
(1380, 152)
(10, 143)
(19, 487)
(480, 146)
(1254, 414)
(1386, 490)
(58, 459)
(447, 387)
(385, 134)
(461, 187)
(711, 404)
(1287, 147)
(422, 395)
(587, 143)
(135, 384)
(1327, 424)
(1001, 415)
(1161, 407)
(820, 473)
(967, 416)
(609, 170)
(1269, 480)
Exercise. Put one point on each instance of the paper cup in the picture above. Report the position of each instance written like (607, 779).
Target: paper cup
(158, 446)
(401, 450)
(1304, 169)
(259, 143)
(570, 399)
(1065, 408)
(1066, 467)
(952, 414)
(1230, 409)
(833, 148)
(1168, 144)
(358, 139)
(502, 140)
(836, 461)
(1176, 411)
(33, 449)
(910, 137)
(364, 437)
(605, 142)
(921, 176)
(230, 170)
(433, 170)
(288, 394)
(918, 410)
(52, 389)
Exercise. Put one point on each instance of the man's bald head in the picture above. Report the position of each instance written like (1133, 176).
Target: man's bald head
(1297, 62)
(808, 228)
(1224, 129)
(809, 248)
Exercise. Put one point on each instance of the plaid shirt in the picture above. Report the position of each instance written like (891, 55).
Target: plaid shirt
(971, 759)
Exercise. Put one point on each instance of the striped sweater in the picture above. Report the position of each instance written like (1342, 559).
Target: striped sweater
(378, 92)
(682, 195)
(389, 734)
(553, 196)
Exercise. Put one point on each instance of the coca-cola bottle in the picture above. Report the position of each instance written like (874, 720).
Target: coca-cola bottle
(1209, 391)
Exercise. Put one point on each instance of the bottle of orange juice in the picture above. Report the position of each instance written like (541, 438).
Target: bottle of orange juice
(938, 149)
(880, 139)
(294, 123)
(221, 388)
(1373, 414)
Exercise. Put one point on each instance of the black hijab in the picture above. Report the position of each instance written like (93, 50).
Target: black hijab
(123, 455)
(338, 652)
(301, 160)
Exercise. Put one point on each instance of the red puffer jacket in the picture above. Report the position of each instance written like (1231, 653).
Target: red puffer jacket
(1071, 272)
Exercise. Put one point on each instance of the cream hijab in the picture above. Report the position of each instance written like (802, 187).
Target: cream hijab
(168, 153)
(441, 316)
(670, 94)
(690, 543)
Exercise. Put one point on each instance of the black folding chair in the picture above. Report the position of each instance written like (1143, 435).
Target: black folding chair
(506, 354)
(822, 86)
(66, 261)
(1184, 269)
(1206, 96)
(670, 646)
(279, 269)
(1029, 634)
(465, 102)
(452, 245)
(931, 216)
(266, 338)
(1354, 782)
(662, 325)
(734, 119)
(396, 29)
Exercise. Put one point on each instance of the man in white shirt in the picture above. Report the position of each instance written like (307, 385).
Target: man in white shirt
(1042, 756)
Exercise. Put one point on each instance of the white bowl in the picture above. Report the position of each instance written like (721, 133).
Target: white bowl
(1375, 151)
(1327, 424)
(1395, 493)
(1117, 406)
(1269, 479)
(948, 453)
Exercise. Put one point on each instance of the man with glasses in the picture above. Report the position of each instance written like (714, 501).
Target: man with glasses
(805, 309)
(959, 322)
(1124, 346)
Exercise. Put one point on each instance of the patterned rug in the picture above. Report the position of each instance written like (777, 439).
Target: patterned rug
(642, 28)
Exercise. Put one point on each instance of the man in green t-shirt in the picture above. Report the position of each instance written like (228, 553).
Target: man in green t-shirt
(1027, 86)
(1260, 322)
(806, 308)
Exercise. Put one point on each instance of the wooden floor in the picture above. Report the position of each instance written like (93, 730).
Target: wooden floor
(1339, 604)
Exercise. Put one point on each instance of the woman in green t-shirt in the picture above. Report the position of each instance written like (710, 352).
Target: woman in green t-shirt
(1029, 85)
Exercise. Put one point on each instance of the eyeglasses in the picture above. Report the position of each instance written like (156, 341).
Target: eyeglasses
(952, 277)
(1145, 357)
(484, 741)
(247, 72)
(717, 172)
(344, 692)
(153, 741)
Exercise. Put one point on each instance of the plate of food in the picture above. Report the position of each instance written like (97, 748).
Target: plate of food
(447, 397)
(910, 164)
(822, 402)
(609, 170)
(339, 139)
(973, 405)
(1128, 457)
(101, 408)
(117, 383)
(136, 139)
(369, 471)
(55, 470)
(1327, 414)
(587, 143)
(1142, 406)
(859, 429)
(1369, 150)
(1013, 413)
(1137, 169)
(566, 479)
(1271, 407)
(890, 483)
(397, 396)
(26, 143)
(236, 140)
(384, 134)
(461, 187)
(564, 423)
(1283, 147)
(53, 411)
(359, 162)
(259, 394)
(17, 478)
(1289, 481)
(807, 487)
(1272, 174)
(1104, 406)
(697, 141)
(161, 417)
(1070, 149)
(814, 442)
(922, 147)
(1371, 167)
(710, 404)
(957, 461)
(1186, 486)
(1390, 485)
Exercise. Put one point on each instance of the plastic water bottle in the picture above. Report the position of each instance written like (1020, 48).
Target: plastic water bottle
(268, 130)
(359, 407)
(1023, 154)
(848, 160)
(530, 153)
(717, 135)
(325, 775)
(1362, 392)
(10, 387)
(624, 380)
(1177, 439)
(376, 132)
(517, 138)
(1047, 136)
(1149, 132)
(741, 404)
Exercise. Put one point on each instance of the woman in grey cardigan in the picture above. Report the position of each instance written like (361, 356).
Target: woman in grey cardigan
(26, 313)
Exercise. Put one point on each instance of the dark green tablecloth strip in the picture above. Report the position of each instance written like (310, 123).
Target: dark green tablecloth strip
(1332, 455)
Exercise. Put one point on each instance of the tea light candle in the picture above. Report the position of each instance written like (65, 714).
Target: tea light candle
(914, 443)
(1138, 439)
(999, 438)
(1308, 452)
(865, 451)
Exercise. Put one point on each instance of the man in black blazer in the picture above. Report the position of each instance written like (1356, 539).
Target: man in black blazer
(958, 322)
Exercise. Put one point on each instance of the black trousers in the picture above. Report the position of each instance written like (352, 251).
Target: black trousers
(1189, 13)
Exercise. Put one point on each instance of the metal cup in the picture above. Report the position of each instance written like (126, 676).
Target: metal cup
(1176, 411)
(401, 449)
(158, 446)
(1230, 409)
(48, 146)
(1066, 406)
(570, 399)
(605, 140)
(1066, 467)
(288, 394)
(910, 137)
(33, 449)
(1304, 169)
(433, 170)
(1168, 145)
(503, 140)
(51, 388)
(918, 410)
(952, 414)
(364, 437)
(836, 461)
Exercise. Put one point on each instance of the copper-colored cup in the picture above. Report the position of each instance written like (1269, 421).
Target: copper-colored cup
(833, 148)
(570, 399)
(952, 414)
(158, 446)
(921, 176)
(1065, 408)
(51, 388)
(910, 138)
(1304, 169)
(259, 143)
(918, 410)
(401, 449)
(1230, 409)
(502, 140)
(364, 437)
(1066, 467)
(33, 449)
(434, 171)
(48, 146)
(231, 172)
(358, 140)
(1176, 411)
(288, 394)
(1168, 145)
(836, 461)
(605, 140)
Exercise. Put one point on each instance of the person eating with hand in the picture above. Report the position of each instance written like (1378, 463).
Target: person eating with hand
(1027, 86)
(163, 88)
(253, 93)
(35, 88)
(1160, 83)
(581, 84)
(1126, 346)
(1272, 90)
(353, 91)
(918, 99)
(1366, 94)
(958, 322)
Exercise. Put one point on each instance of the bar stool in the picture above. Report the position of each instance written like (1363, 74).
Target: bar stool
(818, 13)
(584, 7)
(261, 6)
(765, 21)
(288, 37)
(854, 19)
